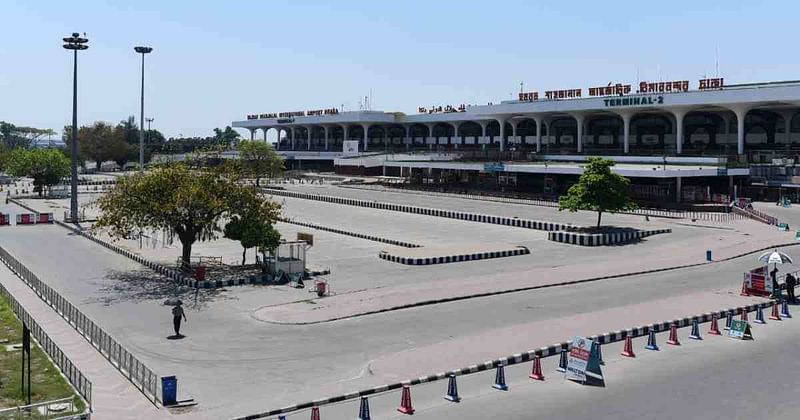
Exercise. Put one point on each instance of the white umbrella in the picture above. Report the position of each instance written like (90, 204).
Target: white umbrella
(775, 257)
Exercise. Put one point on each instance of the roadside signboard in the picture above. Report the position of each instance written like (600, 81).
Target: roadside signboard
(350, 147)
(578, 358)
(740, 330)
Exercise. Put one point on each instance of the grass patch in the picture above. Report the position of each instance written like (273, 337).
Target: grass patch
(47, 383)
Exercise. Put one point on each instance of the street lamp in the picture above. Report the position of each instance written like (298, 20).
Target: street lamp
(74, 43)
(142, 51)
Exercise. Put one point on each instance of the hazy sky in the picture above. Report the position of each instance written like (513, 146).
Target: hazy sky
(215, 62)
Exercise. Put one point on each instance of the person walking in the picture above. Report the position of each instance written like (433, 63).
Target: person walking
(177, 315)
(790, 283)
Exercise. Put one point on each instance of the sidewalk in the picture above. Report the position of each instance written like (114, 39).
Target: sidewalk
(113, 397)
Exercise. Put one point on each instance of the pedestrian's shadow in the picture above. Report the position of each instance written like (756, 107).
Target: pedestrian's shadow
(176, 337)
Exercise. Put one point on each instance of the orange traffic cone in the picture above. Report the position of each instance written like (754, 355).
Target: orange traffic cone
(673, 335)
(405, 401)
(314, 413)
(744, 314)
(627, 351)
(744, 291)
(714, 326)
(775, 316)
(536, 372)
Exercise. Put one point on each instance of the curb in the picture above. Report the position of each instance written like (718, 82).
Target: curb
(348, 233)
(554, 349)
(528, 288)
(426, 211)
(598, 239)
(520, 250)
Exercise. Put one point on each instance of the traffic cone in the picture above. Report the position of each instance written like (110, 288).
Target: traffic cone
(651, 341)
(627, 351)
(562, 362)
(728, 320)
(598, 351)
(714, 326)
(536, 372)
(744, 291)
(744, 314)
(452, 389)
(314, 413)
(405, 401)
(363, 409)
(759, 316)
(775, 316)
(500, 379)
(673, 336)
(785, 310)
(695, 334)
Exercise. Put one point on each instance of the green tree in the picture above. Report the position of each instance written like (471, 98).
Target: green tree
(189, 203)
(252, 226)
(17, 136)
(96, 142)
(598, 189)
(46, 166)
(259, 160)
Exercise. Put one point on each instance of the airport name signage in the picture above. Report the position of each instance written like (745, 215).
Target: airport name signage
(291, 114)
(447, 109)
(634, 101)
(620, 89)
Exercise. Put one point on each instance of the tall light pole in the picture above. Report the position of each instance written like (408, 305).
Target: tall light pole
(142, 51)
(74, 43)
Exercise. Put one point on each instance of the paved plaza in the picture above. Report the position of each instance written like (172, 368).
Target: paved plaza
(253, 348)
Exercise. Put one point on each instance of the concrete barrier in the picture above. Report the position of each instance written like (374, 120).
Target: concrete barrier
(600, 239)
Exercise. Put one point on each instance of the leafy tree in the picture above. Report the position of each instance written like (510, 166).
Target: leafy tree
(259, 160)
(226, 137)
(598, 189)
(189, 203)
(17, 136)
(46, 166)
(252, 226)
(96, 142)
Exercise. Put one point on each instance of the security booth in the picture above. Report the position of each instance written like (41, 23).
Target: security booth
(288, 258)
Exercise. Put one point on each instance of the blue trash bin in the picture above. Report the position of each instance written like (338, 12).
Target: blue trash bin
(708, 255)
(169, 390)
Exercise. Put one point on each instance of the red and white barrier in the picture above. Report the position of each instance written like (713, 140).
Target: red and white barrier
(26, 218)
(45, 218)
(5, 219)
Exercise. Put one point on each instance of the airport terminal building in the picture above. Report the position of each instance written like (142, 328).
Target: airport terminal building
(677, 140)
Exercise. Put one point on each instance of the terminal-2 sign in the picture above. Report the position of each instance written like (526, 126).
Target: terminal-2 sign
(634, 101)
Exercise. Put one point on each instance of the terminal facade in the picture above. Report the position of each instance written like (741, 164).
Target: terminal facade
(681, 129)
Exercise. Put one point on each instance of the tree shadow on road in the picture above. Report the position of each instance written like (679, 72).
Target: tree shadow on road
(138, 286)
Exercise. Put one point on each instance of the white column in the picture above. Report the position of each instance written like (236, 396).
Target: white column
(309, 129)
(366, 136)
(278, 139)
(626, 131)
(325, 127)
(787, 124)
(456, 138)
(252, 134)
(679, 114)
(293, 138)
(430, 134)
(344, 134)
(502, 123)
(579, 119)
(678, 186)
(538, 133)
(741, 113)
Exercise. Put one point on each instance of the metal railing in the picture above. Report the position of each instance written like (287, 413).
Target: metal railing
(75, 376)
(137, 373)
(61, 409)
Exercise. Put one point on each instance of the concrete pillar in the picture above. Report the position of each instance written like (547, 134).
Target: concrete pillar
(787, 115)
(309, 130)
(366, 136)
(539, 121)
(579, 119)
(278, 139)
(741, 113)
(678, 186)
(327, 136)
(679, 113)
(626, 130)
(502, 123)
(252, 134)
(291, 129)
(456, 139)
